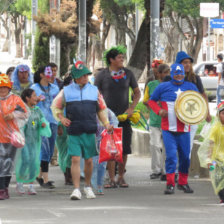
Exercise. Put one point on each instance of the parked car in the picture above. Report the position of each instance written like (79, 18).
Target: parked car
(209, 77)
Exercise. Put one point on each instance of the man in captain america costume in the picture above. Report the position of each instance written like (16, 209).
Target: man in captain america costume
(176, 135)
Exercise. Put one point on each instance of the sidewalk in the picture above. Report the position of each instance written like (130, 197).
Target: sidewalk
(7, 60)
(143, 202)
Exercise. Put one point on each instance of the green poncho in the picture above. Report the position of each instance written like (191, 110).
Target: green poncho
(28, 158)
(62, 146)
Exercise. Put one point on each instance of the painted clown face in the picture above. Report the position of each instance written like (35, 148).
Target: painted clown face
(48, 72)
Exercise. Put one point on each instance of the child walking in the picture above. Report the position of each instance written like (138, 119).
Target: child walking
(99, 169)
(211, 153)
(13, 113)
(28, 161)
(46, 91)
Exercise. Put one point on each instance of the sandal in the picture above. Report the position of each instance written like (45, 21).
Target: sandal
(121, 183)
(111, 184)
(100, 192)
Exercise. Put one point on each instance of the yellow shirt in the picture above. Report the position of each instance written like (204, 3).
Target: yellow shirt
(217, 136)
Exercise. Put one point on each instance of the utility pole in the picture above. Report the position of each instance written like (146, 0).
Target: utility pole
(82, 31)
(34, 13)
(180, 38)
(55, 43)
(136, 21)
(155, 34)
(25, 56)
(209, 38)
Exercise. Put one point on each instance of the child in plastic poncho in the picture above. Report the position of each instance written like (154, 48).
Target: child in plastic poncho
(64, 159)
(13, 114)
(22, 79)
(28, 158)
(99, 169)
(211, 153)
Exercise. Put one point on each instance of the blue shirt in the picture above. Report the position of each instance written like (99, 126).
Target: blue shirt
(49, 92)
(168, 91)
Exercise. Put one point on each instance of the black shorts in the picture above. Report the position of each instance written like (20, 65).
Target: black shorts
(127, 134)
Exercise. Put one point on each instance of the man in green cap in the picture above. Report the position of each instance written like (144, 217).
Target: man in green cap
(83, 103)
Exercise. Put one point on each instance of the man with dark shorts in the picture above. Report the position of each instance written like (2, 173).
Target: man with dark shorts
(114, 83)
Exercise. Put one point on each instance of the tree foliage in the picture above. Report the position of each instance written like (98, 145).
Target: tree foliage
(189, 12)
(190, 7)
(118, 14)
(41, 50)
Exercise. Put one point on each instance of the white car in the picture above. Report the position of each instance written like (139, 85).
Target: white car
(209, 77)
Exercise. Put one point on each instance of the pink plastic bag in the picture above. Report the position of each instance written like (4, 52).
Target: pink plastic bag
(111, 146)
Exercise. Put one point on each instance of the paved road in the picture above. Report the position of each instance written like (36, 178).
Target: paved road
(143, 202)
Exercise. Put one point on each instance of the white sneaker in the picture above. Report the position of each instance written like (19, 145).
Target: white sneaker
(31, 190)
(76, 195)
(20, 189)
(89, 193)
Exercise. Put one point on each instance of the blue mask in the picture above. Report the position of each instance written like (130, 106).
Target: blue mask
(177, 69)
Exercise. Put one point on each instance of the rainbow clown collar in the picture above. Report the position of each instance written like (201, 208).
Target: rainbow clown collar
(118, 75)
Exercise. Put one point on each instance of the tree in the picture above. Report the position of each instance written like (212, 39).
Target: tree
(117, 13)
(16, 9)
(188, 11)
(140, 57)
(64, 25)
(4, 5)
(41, 50)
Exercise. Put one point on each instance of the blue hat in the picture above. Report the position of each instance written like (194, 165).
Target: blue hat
(181, 55)
(176, 69)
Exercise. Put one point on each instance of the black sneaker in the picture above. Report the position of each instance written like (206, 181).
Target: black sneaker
(40, 181)
(155, 175)
(169, 189)
(48, 185)
(163, 177)
(185, 188)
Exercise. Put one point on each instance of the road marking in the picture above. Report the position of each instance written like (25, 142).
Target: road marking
(219, 205)
(57, 214)
(107, 208)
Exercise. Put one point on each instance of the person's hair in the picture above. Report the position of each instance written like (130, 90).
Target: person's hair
(10, 69)
(163, 68)
(220, 57)
(67, 79)
(113, 52)
(191, 76)
(37, 77)
(26, 93)
(52, 65)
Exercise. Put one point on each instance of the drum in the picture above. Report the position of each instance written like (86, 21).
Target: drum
(191, 108)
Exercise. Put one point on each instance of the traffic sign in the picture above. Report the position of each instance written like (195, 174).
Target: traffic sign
(217, 23)
(209, 10)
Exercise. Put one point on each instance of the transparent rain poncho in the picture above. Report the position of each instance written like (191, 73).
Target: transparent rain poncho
(212, 152)
(62, 146)
(11, 136)
(28, 158)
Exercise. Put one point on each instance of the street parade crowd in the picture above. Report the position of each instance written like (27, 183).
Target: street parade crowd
(88, 124)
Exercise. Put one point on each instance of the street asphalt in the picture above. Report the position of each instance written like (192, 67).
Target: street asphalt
(142, 202)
